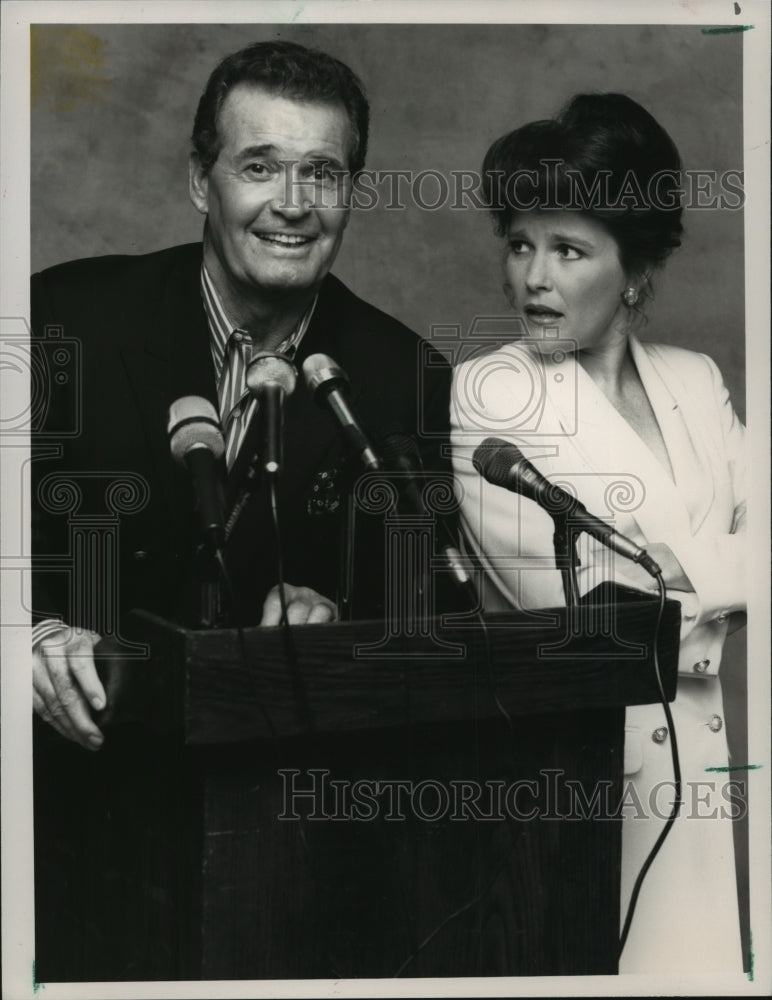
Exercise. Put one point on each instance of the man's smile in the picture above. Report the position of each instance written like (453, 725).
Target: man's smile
(285, 239)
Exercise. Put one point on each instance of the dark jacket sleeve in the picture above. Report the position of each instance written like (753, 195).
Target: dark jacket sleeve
(53, 417)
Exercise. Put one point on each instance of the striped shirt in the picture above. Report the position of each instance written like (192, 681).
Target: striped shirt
(236, 405)
(231, 390)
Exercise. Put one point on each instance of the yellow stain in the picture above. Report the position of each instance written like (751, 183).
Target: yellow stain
(67, 68)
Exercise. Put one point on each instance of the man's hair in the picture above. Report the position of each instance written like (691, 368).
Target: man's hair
(289, 70)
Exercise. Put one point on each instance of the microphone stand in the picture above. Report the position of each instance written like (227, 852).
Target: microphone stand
(566, 556)
(250, 486)
(210, 601)
(346, 565)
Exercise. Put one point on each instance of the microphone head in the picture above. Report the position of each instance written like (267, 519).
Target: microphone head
(193, 423)
(319, 370)
(494, 459)
(269, 368)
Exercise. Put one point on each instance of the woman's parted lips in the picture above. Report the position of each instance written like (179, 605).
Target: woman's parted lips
(532, 309)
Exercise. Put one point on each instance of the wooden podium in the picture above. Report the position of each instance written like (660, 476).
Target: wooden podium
(357, 808)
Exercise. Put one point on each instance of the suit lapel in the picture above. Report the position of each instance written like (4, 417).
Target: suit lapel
(619, 475)
(681, 426)
(170, 358)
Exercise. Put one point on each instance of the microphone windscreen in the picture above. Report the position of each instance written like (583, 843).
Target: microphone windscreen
(193, 423)
(269, 368)
(320, 369)
(494, 459)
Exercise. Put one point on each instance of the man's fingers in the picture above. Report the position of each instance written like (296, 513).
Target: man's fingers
(321, 613)
(304, 607)
(62, 665)
(41, 709)
(46, 703)
(271, 608)
(297, 612)
(82, 665)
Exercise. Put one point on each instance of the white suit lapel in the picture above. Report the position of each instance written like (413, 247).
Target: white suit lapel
(682, 428)
(611, 453)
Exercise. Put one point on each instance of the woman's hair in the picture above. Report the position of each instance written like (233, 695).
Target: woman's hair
(605, 156)
(292, 71)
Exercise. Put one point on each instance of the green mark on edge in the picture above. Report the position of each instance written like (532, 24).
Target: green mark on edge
(735, 767)
(35, 984)
(731, 29)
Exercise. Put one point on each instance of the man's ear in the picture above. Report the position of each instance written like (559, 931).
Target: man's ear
(198, 184)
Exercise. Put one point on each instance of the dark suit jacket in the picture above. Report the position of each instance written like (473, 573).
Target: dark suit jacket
(140, 341)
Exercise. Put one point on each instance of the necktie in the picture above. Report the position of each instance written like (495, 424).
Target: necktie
(233, 395)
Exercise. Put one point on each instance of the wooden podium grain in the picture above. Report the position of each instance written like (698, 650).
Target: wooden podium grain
(180, 852)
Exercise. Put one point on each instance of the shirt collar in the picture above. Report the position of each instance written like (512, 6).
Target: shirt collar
(221, 328)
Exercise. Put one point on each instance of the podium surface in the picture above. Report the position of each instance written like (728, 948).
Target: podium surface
(360, 805)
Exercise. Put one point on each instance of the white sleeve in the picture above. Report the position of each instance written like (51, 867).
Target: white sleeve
(715, 563)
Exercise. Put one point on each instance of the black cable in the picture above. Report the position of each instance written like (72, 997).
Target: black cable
(490, 673)
(300, 698)
(279, 557)
(288, 640)
(676, 776)
(298, 686)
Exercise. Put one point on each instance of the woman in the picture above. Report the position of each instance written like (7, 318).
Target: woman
(643, 433)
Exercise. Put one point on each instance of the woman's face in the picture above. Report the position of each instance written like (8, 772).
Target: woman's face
(566, 279)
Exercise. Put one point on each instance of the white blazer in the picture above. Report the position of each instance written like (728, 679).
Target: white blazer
(562, 422)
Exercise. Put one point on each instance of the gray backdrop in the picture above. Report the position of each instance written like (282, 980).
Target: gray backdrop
(113, 107)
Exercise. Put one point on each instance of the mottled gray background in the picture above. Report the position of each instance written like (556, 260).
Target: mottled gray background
(112, 109)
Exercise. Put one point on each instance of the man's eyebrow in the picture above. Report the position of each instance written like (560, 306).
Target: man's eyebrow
(268, 149)
(333, 161)
(265, 149)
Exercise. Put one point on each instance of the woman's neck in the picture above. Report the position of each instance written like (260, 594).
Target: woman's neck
(610, 367)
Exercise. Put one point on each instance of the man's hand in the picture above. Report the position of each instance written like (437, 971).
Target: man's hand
(65, 683)
(304, 607)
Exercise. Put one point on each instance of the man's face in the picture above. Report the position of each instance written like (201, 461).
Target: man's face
(276, 199)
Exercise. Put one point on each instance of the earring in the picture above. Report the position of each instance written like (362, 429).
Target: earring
(630, 296)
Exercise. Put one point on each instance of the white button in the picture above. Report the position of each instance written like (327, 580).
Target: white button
(701, 666)
(659, 735)
(716, 724)
(722, 617)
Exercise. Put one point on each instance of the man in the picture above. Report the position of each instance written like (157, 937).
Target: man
(279, 133)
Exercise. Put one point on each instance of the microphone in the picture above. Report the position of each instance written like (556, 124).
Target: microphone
(196, 441)
(329, 385)
(270, 377)
(400, 452)
(503, 464)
